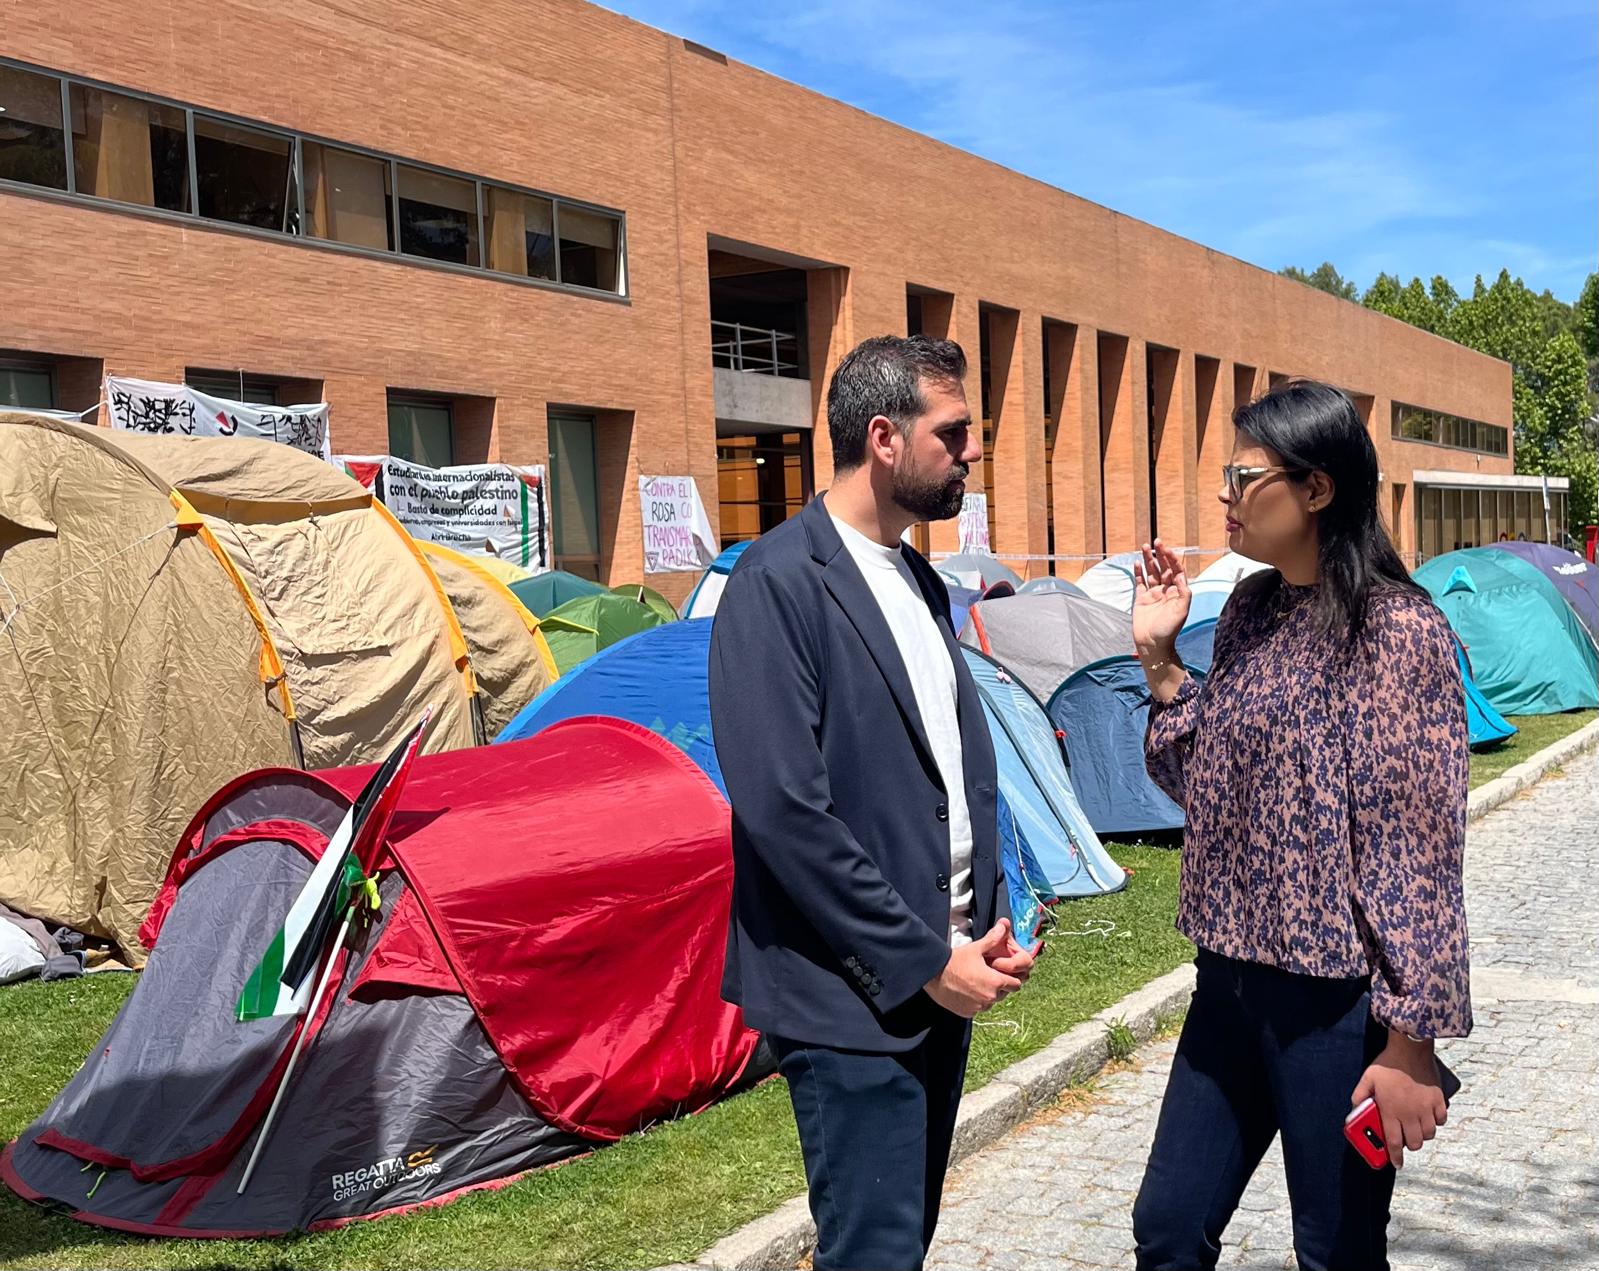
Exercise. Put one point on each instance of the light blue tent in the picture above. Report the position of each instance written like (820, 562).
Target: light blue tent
(1484, 725)
(657, 678)
(1530, 653)
(1104, 709)
(1196, 644)
(1043, 813)
(702, 601)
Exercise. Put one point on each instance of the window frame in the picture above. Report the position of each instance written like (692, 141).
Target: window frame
(434, 401)
(37, 366)
(297, 139)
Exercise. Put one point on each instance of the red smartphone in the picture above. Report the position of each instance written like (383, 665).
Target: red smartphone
(1363, 1129)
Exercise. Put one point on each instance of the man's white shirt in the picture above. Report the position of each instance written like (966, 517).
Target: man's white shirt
(927, 662)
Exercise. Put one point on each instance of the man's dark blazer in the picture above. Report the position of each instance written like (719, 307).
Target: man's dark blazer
(840, 818)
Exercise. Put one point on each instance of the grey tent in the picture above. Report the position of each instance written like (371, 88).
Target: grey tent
(1043, 638)
(451, 1053)
(1048, 584)
(978, 570)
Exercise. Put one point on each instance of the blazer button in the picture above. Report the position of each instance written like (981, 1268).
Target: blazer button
(942, 882)
(873, 988)
(850, 962)
(942, 811)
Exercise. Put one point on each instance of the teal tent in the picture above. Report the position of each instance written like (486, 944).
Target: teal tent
(1529, 652)
(552, 589)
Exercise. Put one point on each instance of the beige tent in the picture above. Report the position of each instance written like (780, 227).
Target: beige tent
(510, 658)
(175, 611)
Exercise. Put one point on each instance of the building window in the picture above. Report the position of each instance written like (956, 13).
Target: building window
(129, 149)
(762, 480)
(590, 249)
(574, 495)
(253, 389)
(521, 233)
(137, 150)
(31, 385)
(245, 175)
(437, 216)
(422, 429)
(32, 145)
(348, 197)
(1412, 423)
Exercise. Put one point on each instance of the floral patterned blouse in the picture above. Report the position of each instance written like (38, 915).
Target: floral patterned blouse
(1325, 785)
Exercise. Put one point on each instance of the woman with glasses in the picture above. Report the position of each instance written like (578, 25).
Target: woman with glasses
(1323, 770)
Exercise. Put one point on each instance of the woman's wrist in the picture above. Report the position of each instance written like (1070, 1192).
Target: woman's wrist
(1155, 653)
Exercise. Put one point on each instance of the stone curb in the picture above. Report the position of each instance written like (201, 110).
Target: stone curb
(784, 1236)
(1511, 783)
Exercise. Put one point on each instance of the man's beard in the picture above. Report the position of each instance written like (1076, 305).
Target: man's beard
(929, 498)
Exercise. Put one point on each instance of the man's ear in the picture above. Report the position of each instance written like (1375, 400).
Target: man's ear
(880, 434)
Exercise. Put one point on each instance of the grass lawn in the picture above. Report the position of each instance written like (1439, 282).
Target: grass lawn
(654, 1198)
(1535, 732)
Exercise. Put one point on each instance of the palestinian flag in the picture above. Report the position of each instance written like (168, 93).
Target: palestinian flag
(282, 981)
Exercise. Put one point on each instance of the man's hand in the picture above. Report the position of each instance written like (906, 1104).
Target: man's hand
(1404, 1082)
(1010, 958)
(968, 985)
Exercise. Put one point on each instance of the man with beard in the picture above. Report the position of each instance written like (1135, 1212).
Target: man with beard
(867, 925)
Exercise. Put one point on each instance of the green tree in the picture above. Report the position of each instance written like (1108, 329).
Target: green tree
(1503, 321)
(1324, 278)
(1586, 317)
(1413, 302)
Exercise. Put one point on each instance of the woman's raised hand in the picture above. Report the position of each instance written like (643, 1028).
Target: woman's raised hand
(1160, 599)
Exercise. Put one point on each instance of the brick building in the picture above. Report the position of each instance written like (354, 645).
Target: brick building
(540, 231)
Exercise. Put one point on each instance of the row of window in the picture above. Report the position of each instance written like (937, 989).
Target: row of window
(1448, 519)
(1411, 423)
(64, 134)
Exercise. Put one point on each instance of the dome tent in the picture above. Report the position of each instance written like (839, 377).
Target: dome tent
(580, 628)
(451, 1054)
(540, 593)
(1043, 638)
(707, 593)
(177, 610)
(1530, 653)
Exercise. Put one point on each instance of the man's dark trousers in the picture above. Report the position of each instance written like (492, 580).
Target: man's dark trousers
(876, 1132)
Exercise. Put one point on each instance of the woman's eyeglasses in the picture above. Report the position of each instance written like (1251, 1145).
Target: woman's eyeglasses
(1239, 477)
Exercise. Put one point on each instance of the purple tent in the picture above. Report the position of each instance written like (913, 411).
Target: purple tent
(1575, 579)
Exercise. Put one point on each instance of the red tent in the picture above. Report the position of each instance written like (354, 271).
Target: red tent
(543, 977)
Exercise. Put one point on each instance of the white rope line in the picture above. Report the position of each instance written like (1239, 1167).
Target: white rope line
(19, 605)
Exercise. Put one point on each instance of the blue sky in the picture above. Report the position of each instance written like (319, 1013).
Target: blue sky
(1396, 135)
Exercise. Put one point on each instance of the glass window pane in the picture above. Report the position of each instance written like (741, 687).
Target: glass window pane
(438, 217)
(243, 173)
(32, 145)
(520, 231)
(574, 503)
(32, 386)
(129, 149)
(590, 256)
(255, 391)
(421, 431)
(1431, 521)
(347, 197)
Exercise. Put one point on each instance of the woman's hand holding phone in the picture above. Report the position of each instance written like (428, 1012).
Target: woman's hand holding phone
(1406, 1083)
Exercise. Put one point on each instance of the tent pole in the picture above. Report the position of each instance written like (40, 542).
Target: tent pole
(296, 745)
(299, 1045)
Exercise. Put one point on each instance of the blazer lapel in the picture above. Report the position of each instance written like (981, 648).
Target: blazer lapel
(843, 580)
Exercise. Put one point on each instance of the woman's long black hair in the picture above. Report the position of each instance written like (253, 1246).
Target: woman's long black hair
(1314, 427)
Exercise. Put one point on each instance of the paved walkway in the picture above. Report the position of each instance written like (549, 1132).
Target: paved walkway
(1511, 1183)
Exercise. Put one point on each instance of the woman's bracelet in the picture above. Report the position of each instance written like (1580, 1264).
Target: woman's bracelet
(1151, 667)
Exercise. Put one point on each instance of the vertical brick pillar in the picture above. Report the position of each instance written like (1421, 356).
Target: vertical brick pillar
(1124, 439)
(621, 520)
(946, 317)
(1213, 429)
(1078, 494)
(358, 415)
(1017, 402)
(1174, 444)
(831, 335)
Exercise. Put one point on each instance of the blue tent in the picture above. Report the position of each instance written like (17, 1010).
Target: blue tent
(1530, 653)
(1041, 812)
(1196, 644)
(1103, 709)
(1576, 579)
(702, 601)
(1484, 725)
(551, 589)
(657, 678)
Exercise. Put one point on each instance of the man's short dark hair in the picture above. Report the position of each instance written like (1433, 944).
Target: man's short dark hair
(884, 376)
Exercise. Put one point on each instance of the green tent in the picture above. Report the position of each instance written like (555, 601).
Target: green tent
(1529, 652)
(581, 628)
(649, 598)
(546, 592)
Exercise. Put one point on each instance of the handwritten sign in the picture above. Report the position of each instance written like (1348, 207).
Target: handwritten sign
(677, 532)
(974, 523)
(177, 410)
